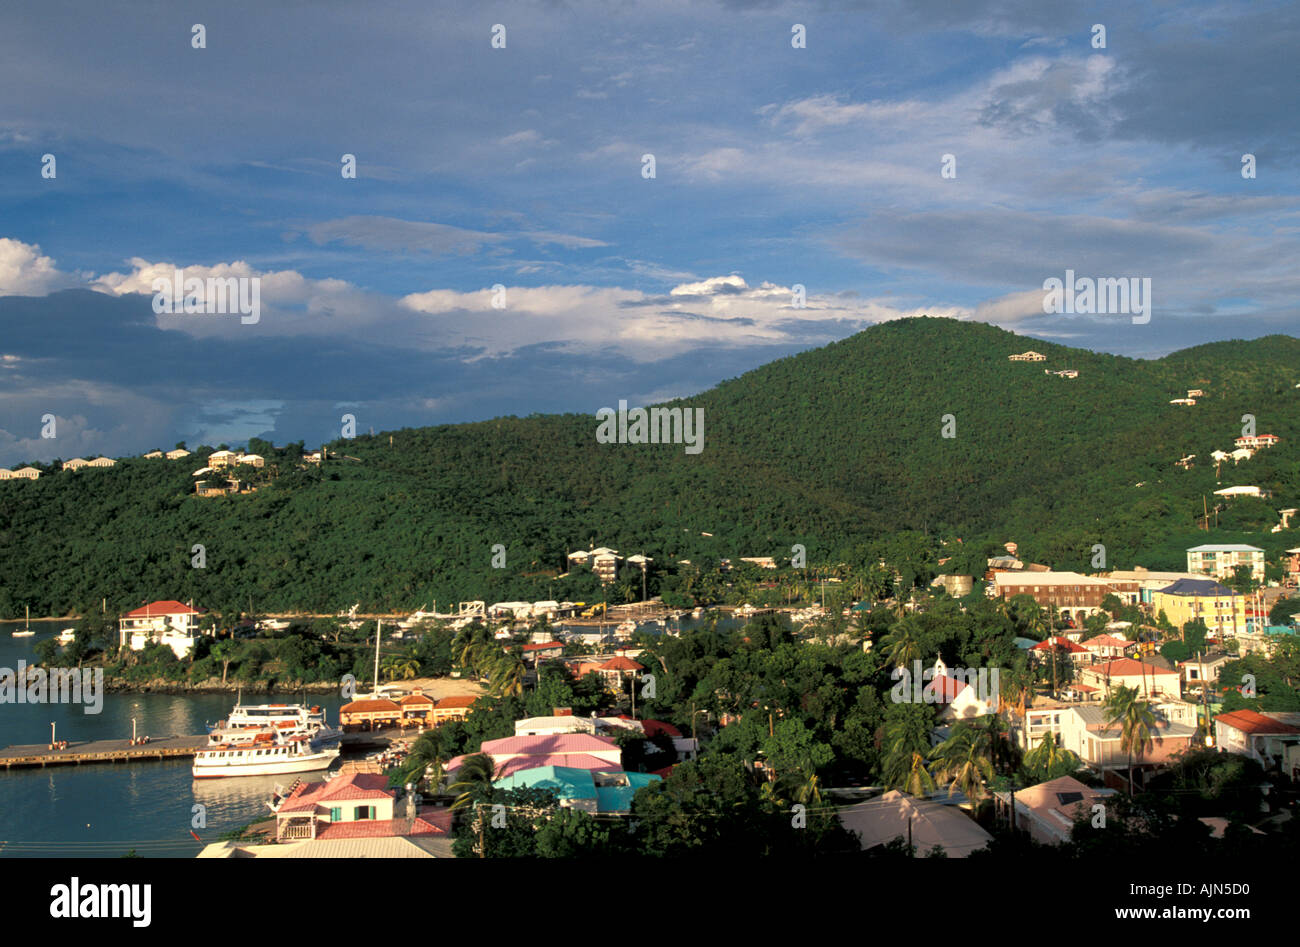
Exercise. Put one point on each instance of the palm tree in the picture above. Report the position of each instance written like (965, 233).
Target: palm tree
(907, 741)
(474, 780)
(507, 672)
(908, 773)
(474, 646)
(402, 666)
(902, 645)
(1049, 755)
(1018, 685)
(965, 760)
(1136, 721)
(474, 784)
(427, 753)
(223, 651)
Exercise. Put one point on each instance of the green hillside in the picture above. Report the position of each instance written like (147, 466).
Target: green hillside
(836, 448)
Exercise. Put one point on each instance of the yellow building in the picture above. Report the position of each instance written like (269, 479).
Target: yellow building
(1222, 610)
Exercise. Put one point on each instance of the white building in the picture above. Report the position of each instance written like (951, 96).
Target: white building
(1221, 560)
(168, 622)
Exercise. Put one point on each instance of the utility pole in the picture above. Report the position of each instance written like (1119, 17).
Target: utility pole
(1205, 702)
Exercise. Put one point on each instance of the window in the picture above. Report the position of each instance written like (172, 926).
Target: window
(364, 812)
(336, 813)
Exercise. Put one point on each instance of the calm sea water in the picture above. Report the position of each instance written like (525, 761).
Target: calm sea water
(106, 809)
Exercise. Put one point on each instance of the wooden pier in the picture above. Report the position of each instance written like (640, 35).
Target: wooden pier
(100, 751)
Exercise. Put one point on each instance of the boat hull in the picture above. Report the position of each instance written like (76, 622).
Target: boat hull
(299, 764)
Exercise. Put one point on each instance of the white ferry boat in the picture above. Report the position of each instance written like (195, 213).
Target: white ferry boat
(247, 722)
(269, 754)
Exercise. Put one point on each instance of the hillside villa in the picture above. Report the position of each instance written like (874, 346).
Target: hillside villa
(1220, 560)
(168, 622)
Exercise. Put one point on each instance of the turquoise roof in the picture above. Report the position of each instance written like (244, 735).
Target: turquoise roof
(570, 784)
(619, 798)
(565, 781)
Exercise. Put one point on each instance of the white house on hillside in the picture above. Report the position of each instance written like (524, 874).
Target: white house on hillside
(168, 622)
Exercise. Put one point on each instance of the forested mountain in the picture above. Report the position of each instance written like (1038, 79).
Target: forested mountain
(835, 448)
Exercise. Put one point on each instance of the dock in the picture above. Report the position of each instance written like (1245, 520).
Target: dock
(100, 751)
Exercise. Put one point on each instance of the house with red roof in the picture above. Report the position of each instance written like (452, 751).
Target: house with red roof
(1076, 653)
(1151, 680)
(354, 805)
(168, 622)
(538, 651)
(614, 670)
(1265, 738)
(1109, 646)
(961, 693)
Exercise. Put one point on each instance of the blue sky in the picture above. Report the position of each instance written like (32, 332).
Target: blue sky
(522, 167)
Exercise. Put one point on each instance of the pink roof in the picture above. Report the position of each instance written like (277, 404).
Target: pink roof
(571, 760)
(1127, 667)
(544, 646)
(165, 607)
(621, 664)
(1107, 641)
(542, 745)
(1065, 643)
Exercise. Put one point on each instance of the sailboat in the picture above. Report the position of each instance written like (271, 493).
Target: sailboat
(27, 626)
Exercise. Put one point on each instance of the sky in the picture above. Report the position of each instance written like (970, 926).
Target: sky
(516, 158)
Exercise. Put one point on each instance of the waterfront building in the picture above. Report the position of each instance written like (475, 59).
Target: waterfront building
(168, 622)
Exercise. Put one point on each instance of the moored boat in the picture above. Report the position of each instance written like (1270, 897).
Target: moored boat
(268, 754)
(246, 722)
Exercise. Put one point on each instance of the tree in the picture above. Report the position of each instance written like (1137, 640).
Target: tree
(1136, 720)
(425, 760)
(902, 645)
(507, 672)
(964, 761)
(400, 666)
(1049, 760)
(907, 741)
(224, 651)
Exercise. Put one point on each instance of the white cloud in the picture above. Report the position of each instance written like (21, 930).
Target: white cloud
(25, 271)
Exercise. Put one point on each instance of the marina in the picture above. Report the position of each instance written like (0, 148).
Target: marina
(101, 751)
